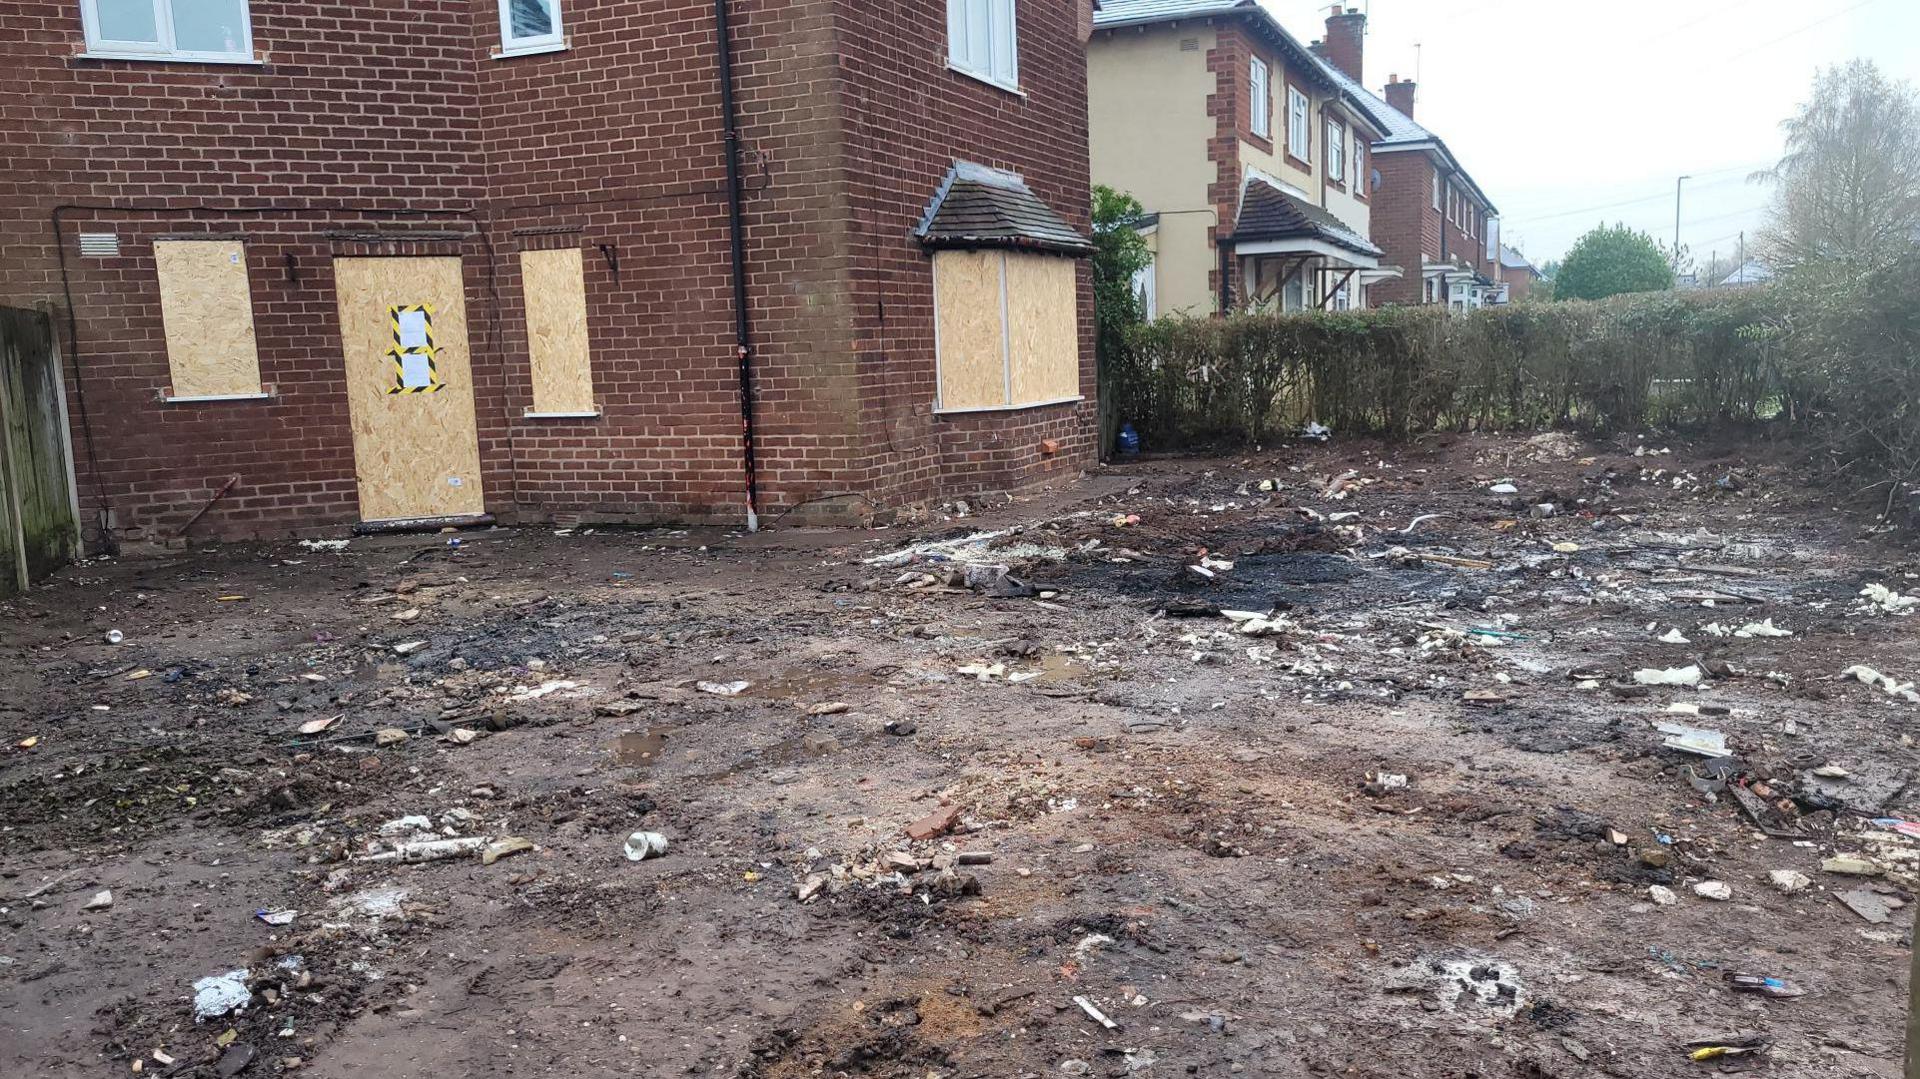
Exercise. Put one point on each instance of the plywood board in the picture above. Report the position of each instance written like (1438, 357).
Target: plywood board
(207, 310)
(415, 454)
(973, 358)
(554, 286)
(1043, 313)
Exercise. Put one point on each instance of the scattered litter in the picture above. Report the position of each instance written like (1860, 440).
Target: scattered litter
(102, 900)
(215, 996)
(321, 726)
(324, 545)
(723, 689)
(407, 648)
(1881, 599)
(1762, 629)
(114, 636)
(1717, 890)
(276, 917)
(1699, 740)
(1095, 1014)
(1503, 489)
(1895, 824)
(1790, 880)
(1671, 676)
(1848, 865)
(1727, 1045)
(1867, 676)
(1762, 984)
(500, 848)
(830, 708)
(644, 845)
(432, 850)
(1316, 432)
(1868, 904)
(1673, 636)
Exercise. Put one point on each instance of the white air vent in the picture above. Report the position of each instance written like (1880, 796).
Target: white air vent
(1189, 44)
(102, 244)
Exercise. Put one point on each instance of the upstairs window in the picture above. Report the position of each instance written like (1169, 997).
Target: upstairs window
(1257, 79)
(212, 30)
(1359, 166)
(1299, 136)
(530, 26)
(1336, 151)
(982, 41)
(1436, 191)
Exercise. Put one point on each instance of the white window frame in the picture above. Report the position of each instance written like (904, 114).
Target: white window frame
(1260, 88)
(1299, 125)
(1436, 191)
(997, 63)
(1336, 150)
(1360, 176)
(532, 43)
(105, 48)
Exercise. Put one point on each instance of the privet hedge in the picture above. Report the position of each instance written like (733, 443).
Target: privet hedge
(1827, 354)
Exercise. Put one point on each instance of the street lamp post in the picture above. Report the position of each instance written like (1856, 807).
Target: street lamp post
(1676, 223)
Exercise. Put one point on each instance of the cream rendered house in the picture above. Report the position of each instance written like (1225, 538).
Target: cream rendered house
(1251, 160)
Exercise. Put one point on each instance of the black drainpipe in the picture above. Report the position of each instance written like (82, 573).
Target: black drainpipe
(742, 327)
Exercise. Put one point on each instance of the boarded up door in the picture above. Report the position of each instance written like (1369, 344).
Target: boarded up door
(403, 325)
(39, 526)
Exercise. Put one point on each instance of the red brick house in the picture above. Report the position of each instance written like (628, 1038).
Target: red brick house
(1429, 216)
(539, 259)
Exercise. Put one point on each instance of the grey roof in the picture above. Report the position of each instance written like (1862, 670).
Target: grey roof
(1514, 260)
(1269, 213)
(1750, 272)
(978, 206)
(1140, 12)
(1402, 132)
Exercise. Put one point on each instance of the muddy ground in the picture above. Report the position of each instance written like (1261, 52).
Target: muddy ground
(1413, 820)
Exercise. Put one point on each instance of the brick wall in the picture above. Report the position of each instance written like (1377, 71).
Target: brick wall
(1405, 224)
(367, 116)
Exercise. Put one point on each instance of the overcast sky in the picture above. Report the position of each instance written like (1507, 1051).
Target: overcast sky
(1571, 113)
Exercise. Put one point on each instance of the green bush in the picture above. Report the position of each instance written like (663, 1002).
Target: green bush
(1827, 357)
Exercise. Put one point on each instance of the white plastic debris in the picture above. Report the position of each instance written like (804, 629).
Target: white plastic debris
(1672, 676)
(429, 851)
(1673, 636)
(1699, 740)
(222, 993)
(1762, 629)
(1885, 600)
(1870, 677)
(723, 689)
(1790, 880)
(101, 900)
(1503, 489)
(324, 545)
(644, 845)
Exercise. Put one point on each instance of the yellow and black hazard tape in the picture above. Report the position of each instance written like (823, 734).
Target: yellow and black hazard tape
(425, 310)
(399, 358)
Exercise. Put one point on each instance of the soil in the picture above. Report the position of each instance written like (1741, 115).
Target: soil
(1413, 825)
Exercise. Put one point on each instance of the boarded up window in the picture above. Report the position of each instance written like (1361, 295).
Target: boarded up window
(1008, 328)
(554, 286)
(207, 310)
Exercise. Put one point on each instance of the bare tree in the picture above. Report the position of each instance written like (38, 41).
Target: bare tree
(1849, 185)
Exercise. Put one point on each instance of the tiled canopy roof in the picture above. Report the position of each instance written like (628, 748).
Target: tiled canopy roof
(977, 206)
(1269, 213)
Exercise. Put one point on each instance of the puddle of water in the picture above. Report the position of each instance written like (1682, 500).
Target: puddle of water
(809, 685)
(641, 749)
(1054, 667)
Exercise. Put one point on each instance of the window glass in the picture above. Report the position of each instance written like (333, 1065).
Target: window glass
(983, 40)
(209, 25)
(1262, 99)
(529, 18)
(127, 20)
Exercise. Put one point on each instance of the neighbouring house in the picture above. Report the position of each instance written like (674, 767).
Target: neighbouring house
(1429, 216)
(551, 259)
(1750, 272)
(1517, 275)
(1249, 157)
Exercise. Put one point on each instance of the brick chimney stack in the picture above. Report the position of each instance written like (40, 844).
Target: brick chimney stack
(1346, 41)
(1400, 94)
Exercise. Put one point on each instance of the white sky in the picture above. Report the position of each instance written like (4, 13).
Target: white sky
(1562, 110)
